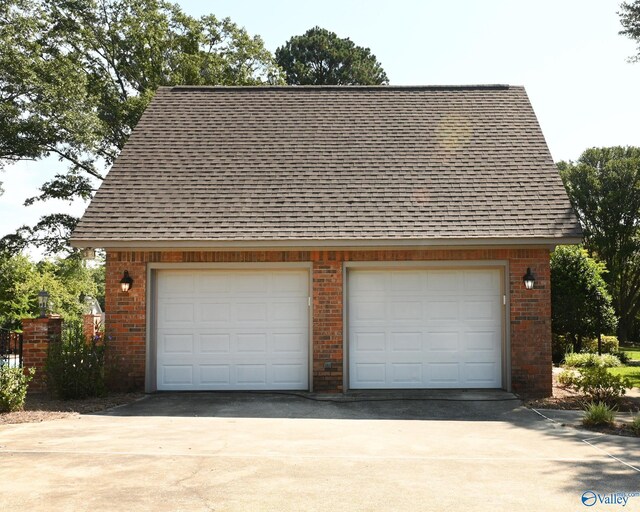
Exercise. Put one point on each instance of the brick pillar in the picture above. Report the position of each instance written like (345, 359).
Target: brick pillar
(90, 325)
(327, 323)
(36, 333)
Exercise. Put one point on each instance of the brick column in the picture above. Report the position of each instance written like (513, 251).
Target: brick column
(90, 324)
(36, 333)
(327, 323)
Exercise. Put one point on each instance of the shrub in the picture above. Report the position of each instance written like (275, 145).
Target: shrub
(75, 364)
(635, 426)
(13, 388)
(559, 347)
(584, 360)
(600, 385)
(598, 414)
(610, 344)
(622, 356)
(567, 377)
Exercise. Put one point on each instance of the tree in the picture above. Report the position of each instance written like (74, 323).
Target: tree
(630, 19)
(580, 304)
(320, 57)
(66, 279)
(604, 189)
(76, 75)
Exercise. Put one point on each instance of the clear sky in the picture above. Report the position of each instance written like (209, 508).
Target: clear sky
(567, 53)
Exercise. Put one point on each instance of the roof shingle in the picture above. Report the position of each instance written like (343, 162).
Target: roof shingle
(242, 164)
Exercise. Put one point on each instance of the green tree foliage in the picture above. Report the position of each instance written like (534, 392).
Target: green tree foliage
(76, 75)
(580, 304)
(320, 57)
(66, 279)
(604, 189)
(630, 19)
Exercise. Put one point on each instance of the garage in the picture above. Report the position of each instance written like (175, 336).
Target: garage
(425, 328)
(232, 329)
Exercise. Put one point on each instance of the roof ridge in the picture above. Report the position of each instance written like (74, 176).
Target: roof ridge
(339, 87)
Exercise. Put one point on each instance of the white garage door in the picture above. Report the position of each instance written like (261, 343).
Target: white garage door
(232, 329)
(425, 329)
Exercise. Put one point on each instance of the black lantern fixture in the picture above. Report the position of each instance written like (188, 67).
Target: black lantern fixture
(529, 280)
(126, 282)
(43, 302)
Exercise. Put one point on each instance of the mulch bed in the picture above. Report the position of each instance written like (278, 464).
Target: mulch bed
(42, 407)
(567, 399)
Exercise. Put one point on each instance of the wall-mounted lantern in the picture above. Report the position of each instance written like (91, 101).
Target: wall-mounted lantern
(529, 280)
(126, 282)
(43, 302)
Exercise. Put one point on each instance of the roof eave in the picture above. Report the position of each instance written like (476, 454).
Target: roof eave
(325, 243)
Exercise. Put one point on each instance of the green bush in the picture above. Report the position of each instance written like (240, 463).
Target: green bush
(75, 364)
(610, 344)
(598, 414)
(559, 347)
(13, 388)
(635, 426)
(585, 360)
(567, 377)
(622, 356)
(600, 385)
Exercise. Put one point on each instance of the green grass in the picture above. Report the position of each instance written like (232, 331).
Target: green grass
(631, 372)
(632, 352)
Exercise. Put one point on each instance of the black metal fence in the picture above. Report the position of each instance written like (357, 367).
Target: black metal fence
(10, 348)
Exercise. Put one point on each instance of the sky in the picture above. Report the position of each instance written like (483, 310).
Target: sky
(567, 53)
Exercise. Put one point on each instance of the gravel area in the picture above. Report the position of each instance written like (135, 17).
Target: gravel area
(41, 407)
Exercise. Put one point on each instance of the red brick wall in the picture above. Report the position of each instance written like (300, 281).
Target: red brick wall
(530, 320)
(36, 334)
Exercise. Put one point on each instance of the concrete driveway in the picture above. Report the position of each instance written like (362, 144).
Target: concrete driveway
(192, 452)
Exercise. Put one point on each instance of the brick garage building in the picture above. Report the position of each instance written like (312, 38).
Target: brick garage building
(331, 238)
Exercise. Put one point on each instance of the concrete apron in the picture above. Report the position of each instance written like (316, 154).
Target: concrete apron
(203, 451)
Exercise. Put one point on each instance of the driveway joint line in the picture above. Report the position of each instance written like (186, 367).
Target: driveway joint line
(296, 456)
(586, 441)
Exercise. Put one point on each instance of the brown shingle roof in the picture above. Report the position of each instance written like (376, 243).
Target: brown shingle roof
(242, 164)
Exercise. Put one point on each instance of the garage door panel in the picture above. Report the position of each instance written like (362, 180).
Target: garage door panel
(424, 327)
(208, 283)
(252, 343)
(178, 343)
(250, 312)
(284, 374)
(283, 311)
(406, 281)
(367, 311)
(370, 342)
(289, 343)
(371, 374)
(406, 373)
(406, 341)
(480, 373)
(481, 341)
(215, 374)
(177, 375)
(214, 312)
(251, 374)
(177, 312)
(443, 374)
(442, 310)
(290, 285)
(250, 336)
(215, 343)
(177, 284)
(443, 281)
(403, 311)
